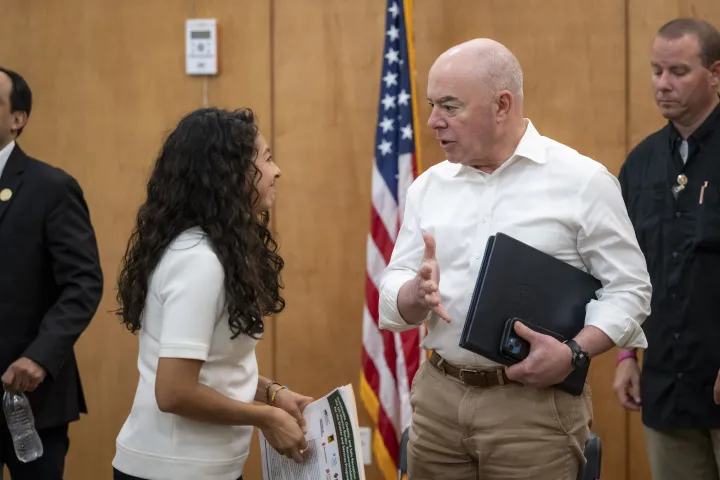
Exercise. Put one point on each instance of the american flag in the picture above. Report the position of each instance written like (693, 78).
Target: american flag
(390, 360)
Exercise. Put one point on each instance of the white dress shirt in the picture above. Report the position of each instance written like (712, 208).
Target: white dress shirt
(546, 195)
(5, 154)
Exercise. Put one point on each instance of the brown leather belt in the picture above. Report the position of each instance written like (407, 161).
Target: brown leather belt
(469, 377)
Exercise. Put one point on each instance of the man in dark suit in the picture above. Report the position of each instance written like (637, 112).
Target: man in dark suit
(50, 287)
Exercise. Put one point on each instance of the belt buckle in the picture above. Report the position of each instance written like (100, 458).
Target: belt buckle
(466, 370)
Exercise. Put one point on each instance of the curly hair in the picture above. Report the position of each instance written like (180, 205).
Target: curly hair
(205, 177)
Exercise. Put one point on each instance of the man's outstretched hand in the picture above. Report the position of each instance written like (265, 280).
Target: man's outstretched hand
(427, 280)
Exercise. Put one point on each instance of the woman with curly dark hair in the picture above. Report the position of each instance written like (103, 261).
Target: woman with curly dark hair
(200, 272)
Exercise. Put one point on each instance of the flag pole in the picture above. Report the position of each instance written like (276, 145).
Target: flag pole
(409, 28)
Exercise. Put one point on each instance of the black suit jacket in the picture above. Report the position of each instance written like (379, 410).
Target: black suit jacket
(50, 281)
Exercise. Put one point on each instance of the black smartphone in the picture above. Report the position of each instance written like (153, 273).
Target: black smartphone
(514, 346)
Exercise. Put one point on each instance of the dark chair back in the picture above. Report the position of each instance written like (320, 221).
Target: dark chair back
(402, 461)
(593, 455)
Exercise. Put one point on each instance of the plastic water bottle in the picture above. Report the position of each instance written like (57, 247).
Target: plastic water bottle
(21, 423)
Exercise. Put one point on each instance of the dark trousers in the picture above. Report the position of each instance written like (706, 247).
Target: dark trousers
(50, 466)
(118, 475)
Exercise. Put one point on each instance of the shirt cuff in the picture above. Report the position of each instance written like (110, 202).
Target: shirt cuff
(389, 312)
(622, 329)
(184, 350)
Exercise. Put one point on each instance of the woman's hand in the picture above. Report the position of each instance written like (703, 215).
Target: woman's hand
(294, 404)
(284, 434)
(627, 383)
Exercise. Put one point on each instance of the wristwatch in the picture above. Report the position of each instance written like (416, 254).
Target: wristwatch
(580, 358)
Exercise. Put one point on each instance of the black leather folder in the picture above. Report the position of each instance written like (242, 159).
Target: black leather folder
(517, 280)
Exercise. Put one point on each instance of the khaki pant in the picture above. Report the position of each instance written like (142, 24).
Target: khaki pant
(508, 432)
(683, 454)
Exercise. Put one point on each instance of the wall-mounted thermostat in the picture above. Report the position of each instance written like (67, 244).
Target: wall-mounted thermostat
(201, 46)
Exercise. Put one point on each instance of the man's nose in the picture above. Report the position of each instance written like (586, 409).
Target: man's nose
(662, 82)
(435, 120)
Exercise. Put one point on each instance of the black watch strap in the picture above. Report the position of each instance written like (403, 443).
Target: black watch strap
(580, 357)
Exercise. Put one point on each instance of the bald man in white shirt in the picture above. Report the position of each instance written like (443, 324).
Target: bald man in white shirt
(501, 175)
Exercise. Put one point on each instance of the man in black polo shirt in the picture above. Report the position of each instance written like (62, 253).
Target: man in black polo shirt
(671, 186)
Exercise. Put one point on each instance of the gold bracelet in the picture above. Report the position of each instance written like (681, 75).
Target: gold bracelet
(272, 401)
(267, 390)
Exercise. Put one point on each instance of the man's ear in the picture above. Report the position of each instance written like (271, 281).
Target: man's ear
(504, 104)
(19, 121)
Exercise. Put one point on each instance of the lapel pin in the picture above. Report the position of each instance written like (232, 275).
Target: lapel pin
(5, 194)
(682, 181)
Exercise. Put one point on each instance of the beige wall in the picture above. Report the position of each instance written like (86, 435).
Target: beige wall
(109, 82)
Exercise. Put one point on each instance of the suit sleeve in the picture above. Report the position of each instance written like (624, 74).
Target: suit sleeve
(75, 266)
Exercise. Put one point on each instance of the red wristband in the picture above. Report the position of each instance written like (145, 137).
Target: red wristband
(626, 354)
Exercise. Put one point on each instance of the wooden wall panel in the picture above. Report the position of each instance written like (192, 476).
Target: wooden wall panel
(570, 96)
(327, 64)
(645, 17)
(339, 80)
(109, 83)
(245, 80)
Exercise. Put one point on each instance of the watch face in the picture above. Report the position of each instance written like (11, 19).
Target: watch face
(581, 360)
